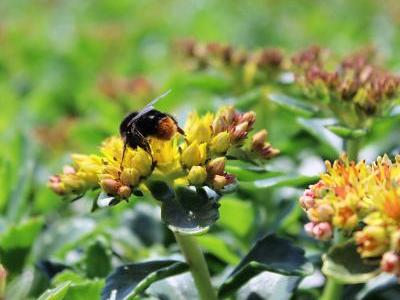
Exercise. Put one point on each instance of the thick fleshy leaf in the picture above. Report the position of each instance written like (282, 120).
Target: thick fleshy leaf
(179, 287)
(268, 286)
(16, 242)
(70, 290)
(317, 128)
(132, 279)
(344, 264)
(300, 108)
(382, 287)
(271, 254)
(63, 236)
(88, 289)
(192, 210)
(249, 99)
(57, 293)
(97, 259)
(145, 222)
(237, 216)
(218, 247)
(346, 132)
(278, 181)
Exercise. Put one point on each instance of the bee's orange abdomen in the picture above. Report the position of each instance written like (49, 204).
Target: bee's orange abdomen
(166, 128)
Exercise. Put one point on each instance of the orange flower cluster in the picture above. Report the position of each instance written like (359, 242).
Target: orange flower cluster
(363, 200)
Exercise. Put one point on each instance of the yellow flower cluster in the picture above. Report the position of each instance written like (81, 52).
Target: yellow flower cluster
(364, 201)
(197, 159)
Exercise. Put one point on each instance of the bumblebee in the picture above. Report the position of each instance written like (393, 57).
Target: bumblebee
(149, 122)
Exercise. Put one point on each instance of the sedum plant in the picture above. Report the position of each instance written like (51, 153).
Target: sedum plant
(187, 177)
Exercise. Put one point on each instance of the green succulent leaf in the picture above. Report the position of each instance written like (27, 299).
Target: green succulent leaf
(132, 279)
(249, 99)
(300, 108)
(16, 242)
(278, 181)
(97, 259)
(317, 128)
(179, 287)
(57, 293)
(346, 132)
(237, 216)
(86, 289)
(272, 254)
(268, 286)
(187, 210)
(218, 247)
(382, 287)
(344, 264)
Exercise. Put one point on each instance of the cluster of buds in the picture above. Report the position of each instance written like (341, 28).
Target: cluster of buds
(261, 147)
(115, 88)
(237, 125)
(363, 200)
(354, 79)
(266, 60)
(78, 177)
(197, 159)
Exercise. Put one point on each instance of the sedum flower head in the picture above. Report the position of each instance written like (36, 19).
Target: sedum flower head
(364, 201)
(353, 84)
(196, 159)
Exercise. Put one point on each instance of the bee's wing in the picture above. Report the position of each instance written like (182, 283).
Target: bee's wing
(148, 107)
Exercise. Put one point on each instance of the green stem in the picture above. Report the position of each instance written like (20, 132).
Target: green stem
(332, 290)
(352, 148)
(198, 266)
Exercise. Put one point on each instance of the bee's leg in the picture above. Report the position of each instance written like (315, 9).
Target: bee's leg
(180, 130)
(141, 141)
(123, 154)
(145, 144)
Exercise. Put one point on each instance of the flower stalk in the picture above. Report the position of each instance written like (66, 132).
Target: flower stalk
(332, 291)
(198, 266)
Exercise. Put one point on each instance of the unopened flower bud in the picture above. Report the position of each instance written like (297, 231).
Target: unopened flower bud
(390, 263)
(258, 139)
(193, 155)
(69, 170)
(249, 117)
(221, 142)
(72, 182)
(325, 212)
(197, 175)
(321, 213)
(220, 181)
(142, 162)
(56, 185)
(307, 202)
(308, 228)
(216, 166)
(124, 191)
(110, 186)
(371, 241)
(322, 231)
(130, 177)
